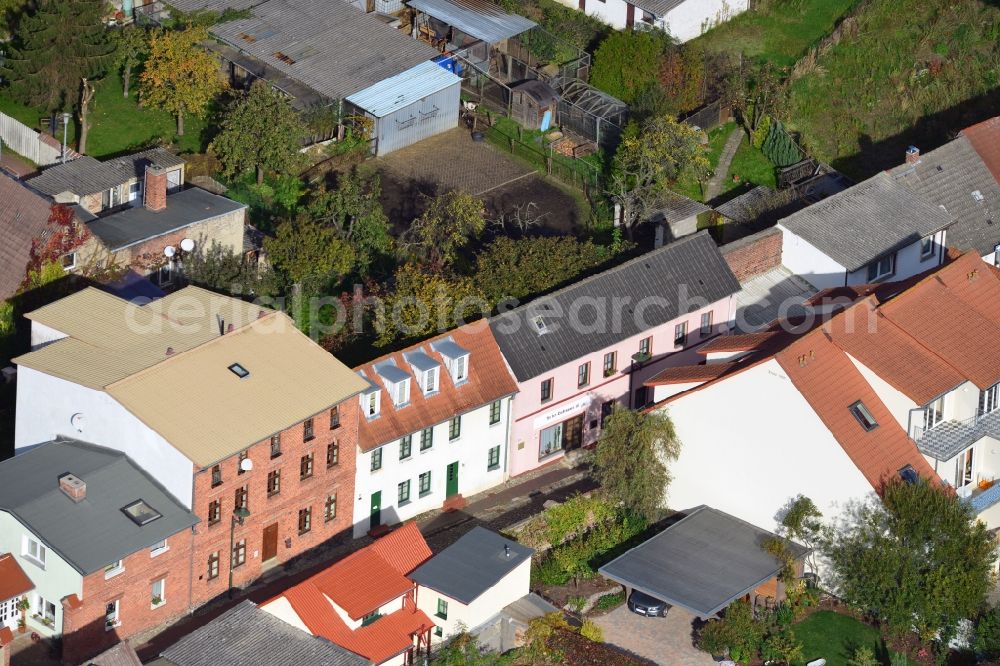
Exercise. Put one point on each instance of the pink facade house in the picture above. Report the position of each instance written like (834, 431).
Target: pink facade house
(578, 351)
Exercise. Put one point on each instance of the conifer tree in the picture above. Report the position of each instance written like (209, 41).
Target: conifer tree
(54, 48)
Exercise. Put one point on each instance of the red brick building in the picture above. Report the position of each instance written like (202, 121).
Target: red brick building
(245, 421)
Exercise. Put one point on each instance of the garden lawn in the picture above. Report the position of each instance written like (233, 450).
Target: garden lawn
(119, 124)
(781, 31)
(749, 163)
(835, 637)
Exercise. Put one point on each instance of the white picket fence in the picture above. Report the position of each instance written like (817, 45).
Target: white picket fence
(37, 147)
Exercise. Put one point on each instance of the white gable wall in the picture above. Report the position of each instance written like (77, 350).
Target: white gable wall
(509, 589)
(46, 406)
(808, 262)
(769, 448)
(56, 580)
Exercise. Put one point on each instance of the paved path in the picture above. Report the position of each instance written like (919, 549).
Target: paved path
(662, 640)
(713, 187)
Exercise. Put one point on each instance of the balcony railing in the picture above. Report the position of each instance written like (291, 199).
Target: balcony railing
(949, 438)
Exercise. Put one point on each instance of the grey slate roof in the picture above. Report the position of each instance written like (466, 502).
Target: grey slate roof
(655, 279)
(95, 532)
(765, 297)
(85, 175)
(334, 48)
(702, 562)
(949, 176)
(867, 221)
(247, 635)
(185, 208)
(24, 216)
(659, 8)
(479, 18)
(472, 565)
(674, 208)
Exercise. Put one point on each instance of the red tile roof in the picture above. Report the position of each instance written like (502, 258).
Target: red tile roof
(687, 374)
(13, 581)
(827, 379)
(404, 549)
(876, 342)
(489, 379)
(6, 636)
(985, 139)
(736, 343)
(955, 313)
(360, 584)
(375, 575)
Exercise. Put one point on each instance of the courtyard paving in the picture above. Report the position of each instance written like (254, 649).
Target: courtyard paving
(662, 640)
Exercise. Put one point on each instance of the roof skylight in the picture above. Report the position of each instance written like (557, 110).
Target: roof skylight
(864, 416)
(239, 371)
(141, 513)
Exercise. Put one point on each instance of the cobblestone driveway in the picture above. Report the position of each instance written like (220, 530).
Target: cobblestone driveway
(662, 640)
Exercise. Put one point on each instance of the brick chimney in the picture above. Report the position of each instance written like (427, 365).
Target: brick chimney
(912, 155)
(73, 486)
(155, 190)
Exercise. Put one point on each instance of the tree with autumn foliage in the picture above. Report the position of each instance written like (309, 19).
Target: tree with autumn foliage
(450, 223)
(649, 159)
(131, 48)
(180, 76)
(63, 235)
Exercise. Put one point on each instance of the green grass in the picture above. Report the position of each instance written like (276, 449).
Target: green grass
(913, 70)
(835, 637)
(119, 124)
(748, 163)
(781, 31)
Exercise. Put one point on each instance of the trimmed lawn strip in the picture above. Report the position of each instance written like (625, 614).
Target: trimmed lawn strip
(834, 637)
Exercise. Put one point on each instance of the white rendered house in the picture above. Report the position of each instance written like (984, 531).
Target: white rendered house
(683, 19)
(434, 426)
(879, 390)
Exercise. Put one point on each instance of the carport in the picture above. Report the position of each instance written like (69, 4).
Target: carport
(703, 562)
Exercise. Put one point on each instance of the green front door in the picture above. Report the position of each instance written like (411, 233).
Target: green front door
(451, 487)
(376, 514)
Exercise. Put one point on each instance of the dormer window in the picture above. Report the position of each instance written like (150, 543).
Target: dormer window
(401, 392)
(456, 359)
(371, 404)
(425, 369)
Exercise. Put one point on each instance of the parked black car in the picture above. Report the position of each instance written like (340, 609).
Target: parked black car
(643, 604)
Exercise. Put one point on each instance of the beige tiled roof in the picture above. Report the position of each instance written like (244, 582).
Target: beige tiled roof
(189, 396)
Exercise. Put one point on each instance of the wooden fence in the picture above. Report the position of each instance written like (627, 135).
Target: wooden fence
(32, 144)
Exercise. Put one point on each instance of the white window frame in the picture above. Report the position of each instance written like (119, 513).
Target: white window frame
(371, 404)
(965, 468)
(38, 557)
(680, 334)
(459, 368)
(135, 192)
(881, 274)
(401, 393)
(159, 548)
(113, 618)
(162, 582)
(989, 400)
(430, 382)
(72, 262)
(707, 322)
(927, 246)
(42, 606)
(934, 413)
(114, 569)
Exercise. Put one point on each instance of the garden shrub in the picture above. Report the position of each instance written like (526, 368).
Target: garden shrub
(548, 572)
(607, 602)
(746, 634)
(782, 648)
(580, 557)
(987, 641)
(779, 146)
(592, 632)
(864, 656)
(714, 638)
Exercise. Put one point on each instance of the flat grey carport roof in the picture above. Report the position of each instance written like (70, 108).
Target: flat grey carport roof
(702, 562)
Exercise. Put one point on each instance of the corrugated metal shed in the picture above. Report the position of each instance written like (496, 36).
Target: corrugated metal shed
(400, 91)
(476, 18)
(330, 46)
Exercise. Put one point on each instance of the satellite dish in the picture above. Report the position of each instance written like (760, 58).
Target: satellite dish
(169, 251)
(187, 244)
(246, 464)
(78, 421)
